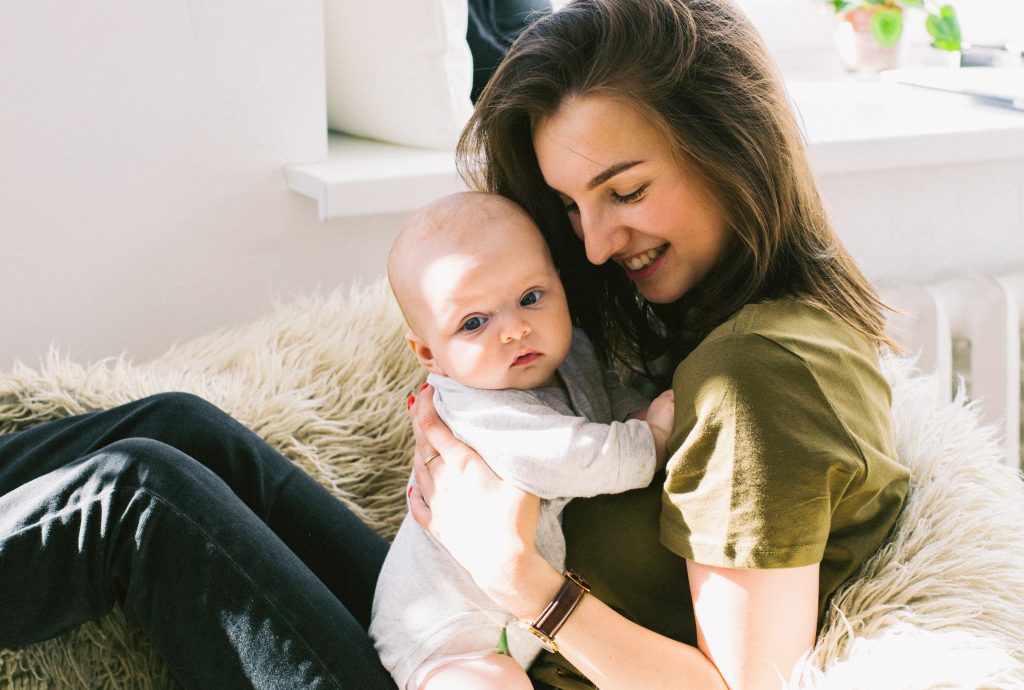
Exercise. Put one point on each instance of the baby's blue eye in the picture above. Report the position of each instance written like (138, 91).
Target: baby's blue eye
(531, 297)
(474, 323)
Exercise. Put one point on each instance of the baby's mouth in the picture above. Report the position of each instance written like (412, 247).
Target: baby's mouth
(525, 358)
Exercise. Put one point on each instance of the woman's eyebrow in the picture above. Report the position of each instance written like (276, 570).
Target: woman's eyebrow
(610, 172)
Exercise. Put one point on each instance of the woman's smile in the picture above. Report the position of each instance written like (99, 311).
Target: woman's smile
(643, 265)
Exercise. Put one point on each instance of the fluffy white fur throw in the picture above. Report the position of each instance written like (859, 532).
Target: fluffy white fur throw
(939, 606)
(325, 379)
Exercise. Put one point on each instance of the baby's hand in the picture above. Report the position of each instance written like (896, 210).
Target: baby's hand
(660, 416)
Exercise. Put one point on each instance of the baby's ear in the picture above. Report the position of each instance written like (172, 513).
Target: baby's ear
(422, 352)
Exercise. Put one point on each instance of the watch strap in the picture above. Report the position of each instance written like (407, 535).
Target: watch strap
(557, 612)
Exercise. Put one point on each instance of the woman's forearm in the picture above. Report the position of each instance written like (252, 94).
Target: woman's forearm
(614, 652)
(617, 654)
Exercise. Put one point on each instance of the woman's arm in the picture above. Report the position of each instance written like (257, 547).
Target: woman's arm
(753, 624)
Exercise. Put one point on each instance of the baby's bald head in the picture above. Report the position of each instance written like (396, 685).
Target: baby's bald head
(467, 223)
(480, 293)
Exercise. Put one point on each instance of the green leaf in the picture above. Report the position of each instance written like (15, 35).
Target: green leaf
(944, 28)
(912, 3)
(502, 646)
(886, 27)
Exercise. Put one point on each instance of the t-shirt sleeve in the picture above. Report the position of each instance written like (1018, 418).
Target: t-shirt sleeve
(757, 455)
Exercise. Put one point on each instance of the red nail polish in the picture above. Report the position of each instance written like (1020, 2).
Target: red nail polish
(423, 386)
(410, 401)
(410, 491)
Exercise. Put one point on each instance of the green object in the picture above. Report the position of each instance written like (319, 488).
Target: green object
(502, 646)
(887, 22)
(944, 28)
(887, 27)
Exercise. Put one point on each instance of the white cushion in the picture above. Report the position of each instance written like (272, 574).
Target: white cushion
(399, 71)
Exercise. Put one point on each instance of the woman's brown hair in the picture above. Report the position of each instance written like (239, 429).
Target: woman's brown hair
(698, 71)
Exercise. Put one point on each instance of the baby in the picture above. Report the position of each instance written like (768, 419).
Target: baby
(488, 318)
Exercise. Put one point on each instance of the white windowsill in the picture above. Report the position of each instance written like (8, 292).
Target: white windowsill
(363, 177)
(853, 125)
(850, 125)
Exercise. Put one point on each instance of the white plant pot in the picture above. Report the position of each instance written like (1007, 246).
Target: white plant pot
(860, 52)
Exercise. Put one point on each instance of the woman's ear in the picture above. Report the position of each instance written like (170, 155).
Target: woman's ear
(423, 353)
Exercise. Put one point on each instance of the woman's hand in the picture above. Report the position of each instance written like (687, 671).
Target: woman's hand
(485, 523)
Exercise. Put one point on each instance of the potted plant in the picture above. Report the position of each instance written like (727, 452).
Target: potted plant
(870, 31)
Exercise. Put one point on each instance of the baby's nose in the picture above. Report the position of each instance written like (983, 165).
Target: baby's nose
(517, 329)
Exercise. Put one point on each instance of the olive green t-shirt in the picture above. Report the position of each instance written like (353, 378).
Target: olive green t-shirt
(782, 455)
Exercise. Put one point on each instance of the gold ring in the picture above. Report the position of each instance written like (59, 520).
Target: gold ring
(430, 458)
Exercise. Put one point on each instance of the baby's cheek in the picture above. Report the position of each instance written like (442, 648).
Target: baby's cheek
(467, 364)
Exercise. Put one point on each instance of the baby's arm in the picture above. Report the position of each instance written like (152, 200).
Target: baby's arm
(545, 452)
(659, 416)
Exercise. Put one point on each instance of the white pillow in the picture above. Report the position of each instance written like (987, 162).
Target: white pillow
(399, 70)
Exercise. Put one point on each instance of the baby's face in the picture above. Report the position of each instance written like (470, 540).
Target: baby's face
(494, 315)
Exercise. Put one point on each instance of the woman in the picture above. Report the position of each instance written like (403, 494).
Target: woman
(652, 141)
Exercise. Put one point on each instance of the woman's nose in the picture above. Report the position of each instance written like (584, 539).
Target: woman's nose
(602, 237)
(514, 329)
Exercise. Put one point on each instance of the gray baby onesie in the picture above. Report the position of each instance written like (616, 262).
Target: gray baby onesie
(557, 447)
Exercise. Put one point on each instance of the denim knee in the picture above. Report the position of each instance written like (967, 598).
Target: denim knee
(184, 406)
(144, 463)
(191, 424)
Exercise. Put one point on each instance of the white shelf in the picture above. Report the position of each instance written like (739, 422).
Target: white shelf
(858, 126)
(363, 177)
(851, 125)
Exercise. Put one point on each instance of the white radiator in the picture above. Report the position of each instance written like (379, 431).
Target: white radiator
(971, 329)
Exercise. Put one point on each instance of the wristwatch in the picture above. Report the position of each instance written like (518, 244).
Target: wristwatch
(554, 615)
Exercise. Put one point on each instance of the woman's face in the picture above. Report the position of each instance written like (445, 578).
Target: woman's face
(628, 198)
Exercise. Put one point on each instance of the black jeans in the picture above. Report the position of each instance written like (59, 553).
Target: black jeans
(243, 571)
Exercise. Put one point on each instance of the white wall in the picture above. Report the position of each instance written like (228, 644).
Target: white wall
(142, 198)
(927, 224)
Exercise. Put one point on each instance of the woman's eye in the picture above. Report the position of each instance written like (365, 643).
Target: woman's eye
(531, 297)
(569, 205)
(630, 198)
(473, 323)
